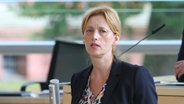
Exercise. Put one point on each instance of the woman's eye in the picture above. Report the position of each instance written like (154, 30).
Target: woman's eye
(89, 31)
(103, 31)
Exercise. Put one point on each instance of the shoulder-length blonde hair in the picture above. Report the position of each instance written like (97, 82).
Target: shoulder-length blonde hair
(110, 15)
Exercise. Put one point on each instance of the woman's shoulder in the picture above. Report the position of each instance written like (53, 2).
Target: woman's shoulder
(84, 71)
(131, 68)
(134, 71)
(128, 65)
(80, 75)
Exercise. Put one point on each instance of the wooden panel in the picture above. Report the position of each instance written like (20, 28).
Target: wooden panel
(24, 100)
(170, 90)
(67, 98)
(170, 100)
(67, 94)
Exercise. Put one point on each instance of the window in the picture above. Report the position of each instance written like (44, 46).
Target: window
(46, 21)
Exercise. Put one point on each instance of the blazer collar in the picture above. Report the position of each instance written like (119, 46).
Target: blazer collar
(112, 80)
(84, 79)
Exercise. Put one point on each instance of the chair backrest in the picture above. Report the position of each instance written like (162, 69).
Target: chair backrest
(67, 58)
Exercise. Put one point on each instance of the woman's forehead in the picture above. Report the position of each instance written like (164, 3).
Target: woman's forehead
(97, 21)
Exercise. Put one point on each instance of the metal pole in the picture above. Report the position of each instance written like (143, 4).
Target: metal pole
(54, 91)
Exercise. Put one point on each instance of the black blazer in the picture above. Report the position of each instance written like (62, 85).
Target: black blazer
(181, 57)
(127, 84)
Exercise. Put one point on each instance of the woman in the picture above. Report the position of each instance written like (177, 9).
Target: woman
(109, 80)
(179, 65)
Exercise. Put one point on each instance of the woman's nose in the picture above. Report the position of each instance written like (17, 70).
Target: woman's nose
(96, 35)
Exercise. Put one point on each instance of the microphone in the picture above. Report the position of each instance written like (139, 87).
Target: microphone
(152, 32)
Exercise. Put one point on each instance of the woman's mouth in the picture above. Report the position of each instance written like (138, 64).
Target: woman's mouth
(95, 45)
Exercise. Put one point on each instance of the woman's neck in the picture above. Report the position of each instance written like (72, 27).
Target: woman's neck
(102, 65)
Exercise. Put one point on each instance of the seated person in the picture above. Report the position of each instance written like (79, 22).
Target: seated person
(109, 80)
(179, 65)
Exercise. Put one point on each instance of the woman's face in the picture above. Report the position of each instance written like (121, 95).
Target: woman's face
(98, 37)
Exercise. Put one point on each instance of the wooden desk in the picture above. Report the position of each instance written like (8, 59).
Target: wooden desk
(67, 94)
(166, 94)
(170, 94)
(25, 100)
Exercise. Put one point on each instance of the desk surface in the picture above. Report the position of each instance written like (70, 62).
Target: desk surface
(166, 95)
(169, 94)
(24, 100)
(170, 90)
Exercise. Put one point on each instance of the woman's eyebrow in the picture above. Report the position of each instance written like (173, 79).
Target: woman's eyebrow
(89, 27)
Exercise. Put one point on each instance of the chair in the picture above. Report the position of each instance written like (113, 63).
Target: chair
(67, 57)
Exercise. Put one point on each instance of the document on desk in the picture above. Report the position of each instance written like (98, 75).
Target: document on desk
(169, 83)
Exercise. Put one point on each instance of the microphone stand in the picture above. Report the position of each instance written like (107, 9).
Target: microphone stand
(153, 32)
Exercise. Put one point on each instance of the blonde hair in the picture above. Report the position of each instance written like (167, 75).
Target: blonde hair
(110, 15)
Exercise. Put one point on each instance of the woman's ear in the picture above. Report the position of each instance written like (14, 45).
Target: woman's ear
(116, 39)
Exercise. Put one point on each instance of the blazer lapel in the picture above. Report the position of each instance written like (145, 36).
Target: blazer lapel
(112, 81)
(83, 83)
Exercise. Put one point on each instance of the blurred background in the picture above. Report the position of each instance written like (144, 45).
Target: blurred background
(45, 21)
